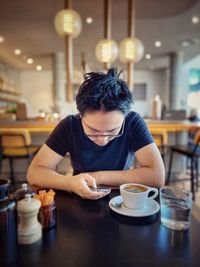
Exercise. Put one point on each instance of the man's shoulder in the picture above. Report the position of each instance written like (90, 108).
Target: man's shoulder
(69, 123)
(133, 117)
(135, 121)
(70, 119)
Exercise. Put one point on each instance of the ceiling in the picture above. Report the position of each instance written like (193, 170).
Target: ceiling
(29, 25)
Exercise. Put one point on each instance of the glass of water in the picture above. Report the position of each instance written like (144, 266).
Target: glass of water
(176, 205)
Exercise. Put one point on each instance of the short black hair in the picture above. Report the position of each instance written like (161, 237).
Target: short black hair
(102, 91)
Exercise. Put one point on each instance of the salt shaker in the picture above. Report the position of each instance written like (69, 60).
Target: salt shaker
(29, 228)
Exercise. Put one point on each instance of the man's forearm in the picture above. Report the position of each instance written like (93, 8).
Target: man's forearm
(46, 178)
(142, 175)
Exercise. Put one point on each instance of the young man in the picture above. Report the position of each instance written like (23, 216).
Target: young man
(102, 141)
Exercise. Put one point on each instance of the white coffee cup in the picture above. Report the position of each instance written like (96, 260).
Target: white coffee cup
(135, 195)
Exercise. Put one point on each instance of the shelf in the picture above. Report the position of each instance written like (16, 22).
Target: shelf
(9, 100)
(9, 92)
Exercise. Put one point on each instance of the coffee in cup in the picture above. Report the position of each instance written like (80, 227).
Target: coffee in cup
(135, 196)
(134, 188)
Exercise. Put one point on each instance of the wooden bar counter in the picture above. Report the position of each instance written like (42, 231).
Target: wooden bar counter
(48, 126)
(173, 126)
(31, 125)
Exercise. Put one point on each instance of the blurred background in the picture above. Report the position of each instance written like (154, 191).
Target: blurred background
(33, 55)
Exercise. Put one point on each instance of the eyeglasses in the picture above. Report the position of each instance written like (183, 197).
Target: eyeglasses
(109, 137)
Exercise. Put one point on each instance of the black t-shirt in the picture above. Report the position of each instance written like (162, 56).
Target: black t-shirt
(86, 156)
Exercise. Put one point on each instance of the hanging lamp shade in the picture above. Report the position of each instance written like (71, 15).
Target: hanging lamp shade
(68, 23)
(131, 50)
(106, 51)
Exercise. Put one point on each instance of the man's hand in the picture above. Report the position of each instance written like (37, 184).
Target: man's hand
(80, 184)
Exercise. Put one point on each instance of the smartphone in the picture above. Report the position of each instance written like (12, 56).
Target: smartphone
(105, 190)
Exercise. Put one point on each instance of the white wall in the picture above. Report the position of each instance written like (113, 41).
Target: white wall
(38, 93)
(37, 90)
(156, 84)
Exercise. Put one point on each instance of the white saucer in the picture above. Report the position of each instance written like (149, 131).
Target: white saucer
(151, 208)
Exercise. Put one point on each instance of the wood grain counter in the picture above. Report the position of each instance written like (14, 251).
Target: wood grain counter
(42, 126)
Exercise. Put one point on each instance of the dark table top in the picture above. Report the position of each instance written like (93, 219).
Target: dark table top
(88, 234)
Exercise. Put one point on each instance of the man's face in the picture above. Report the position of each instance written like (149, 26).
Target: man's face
(102, 127)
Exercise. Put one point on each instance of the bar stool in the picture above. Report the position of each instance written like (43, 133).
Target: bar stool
(160, 137)
(192, 153)
(15, 144)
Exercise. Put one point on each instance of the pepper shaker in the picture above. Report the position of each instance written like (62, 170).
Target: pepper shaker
(22, 191)
(29, 228)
